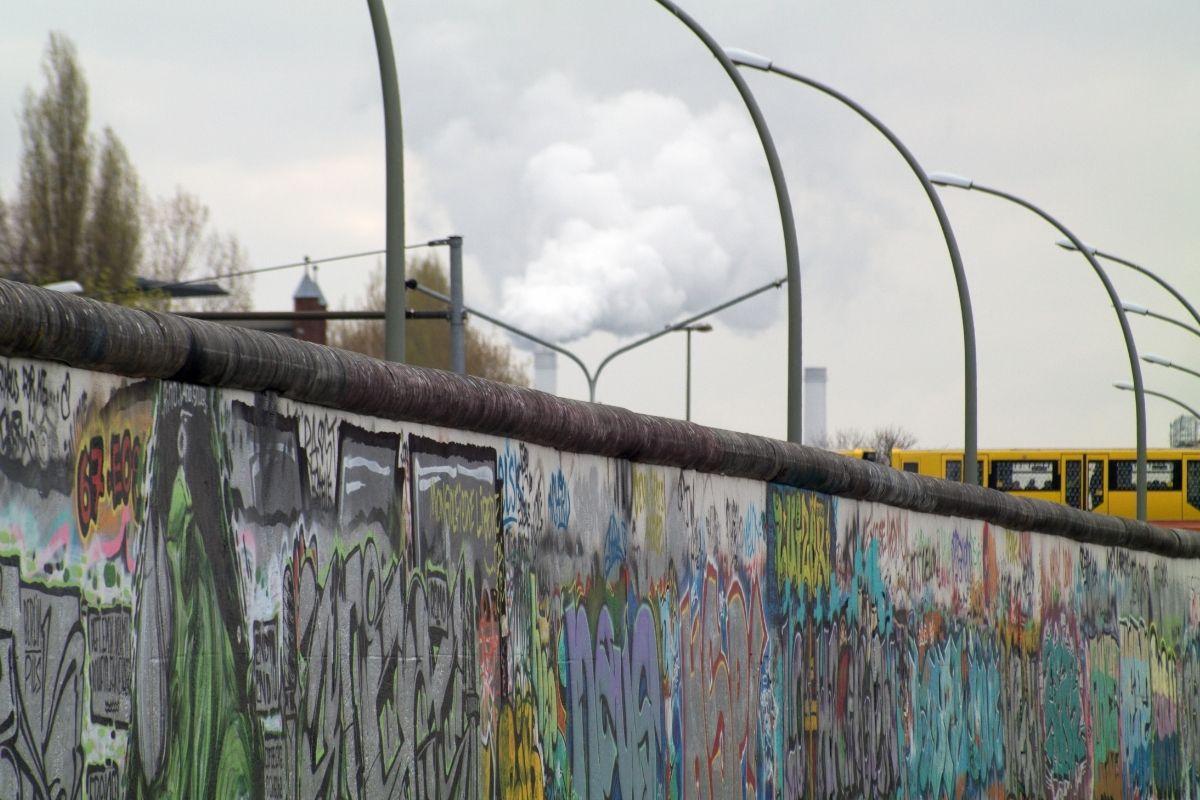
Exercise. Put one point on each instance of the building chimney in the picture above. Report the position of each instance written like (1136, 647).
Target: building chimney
(308, 297)
(545, 370)
(815, 434)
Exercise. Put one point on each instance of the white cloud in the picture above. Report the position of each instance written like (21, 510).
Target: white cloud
(634, 210)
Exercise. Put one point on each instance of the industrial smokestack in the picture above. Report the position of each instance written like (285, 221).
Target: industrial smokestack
(814, 407)
(545, 370)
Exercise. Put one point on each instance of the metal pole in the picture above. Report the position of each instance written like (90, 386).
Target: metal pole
(1135, 366)
(970, 380)
(688, 402)
(795, 369)
(458, 337)
(393, 335)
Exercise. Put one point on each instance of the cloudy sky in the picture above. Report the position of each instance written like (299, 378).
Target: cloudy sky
(607, 181)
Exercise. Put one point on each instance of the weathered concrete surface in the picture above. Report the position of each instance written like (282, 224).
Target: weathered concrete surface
(240, 589)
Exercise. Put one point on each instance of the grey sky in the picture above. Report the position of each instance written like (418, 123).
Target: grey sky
(604, 175)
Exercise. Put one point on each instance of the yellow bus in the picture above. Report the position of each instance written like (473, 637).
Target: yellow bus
(1103, 481)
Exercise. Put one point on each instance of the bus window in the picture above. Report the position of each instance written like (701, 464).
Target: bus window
(953, 469)
(1074, 478)
(1095, 478)
(1024, 476)
(1161, 476)
(1193, 483)
(910, 466)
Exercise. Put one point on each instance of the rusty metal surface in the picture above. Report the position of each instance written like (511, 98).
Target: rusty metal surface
(35, 323)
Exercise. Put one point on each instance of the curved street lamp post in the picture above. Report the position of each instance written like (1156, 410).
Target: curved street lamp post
(393, 332)
(1135, 367)
(970, 396)
(795, 370)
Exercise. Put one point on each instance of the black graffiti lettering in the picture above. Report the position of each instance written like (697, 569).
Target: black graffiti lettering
(104, 782)
(266, 667)
(110, 674)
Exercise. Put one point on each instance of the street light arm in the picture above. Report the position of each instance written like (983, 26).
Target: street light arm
(970, 380)
(795, 370)
(1166, 397)
(775, 284)
(1163, 362)
(412, 284)
(1191, 309)
(1176, 322)
(1135, 366)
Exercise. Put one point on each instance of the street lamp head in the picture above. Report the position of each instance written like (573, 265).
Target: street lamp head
(949, 179)
(67, 287)
(699, 327)
(1134, 308)
(744, 58)
(1066, 244)
(1153, 359)
(1127, 386)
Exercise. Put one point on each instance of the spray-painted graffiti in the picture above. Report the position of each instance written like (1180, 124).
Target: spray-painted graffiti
(208, 593)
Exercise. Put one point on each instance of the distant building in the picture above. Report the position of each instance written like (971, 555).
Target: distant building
(1185, 431)
(545, 370)
(308, 297)
(815, 379)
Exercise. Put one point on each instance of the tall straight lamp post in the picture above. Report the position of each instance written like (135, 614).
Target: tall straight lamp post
(699, 327)
(795, 369)
(393, 325)
(1135, 367)
(970, 381)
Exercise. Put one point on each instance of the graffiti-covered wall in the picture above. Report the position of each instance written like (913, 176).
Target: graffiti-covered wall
(216, 593)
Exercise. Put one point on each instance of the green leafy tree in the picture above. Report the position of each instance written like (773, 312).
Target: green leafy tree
(79, 213)
(427, 342)
(55, 169)
(114, 230)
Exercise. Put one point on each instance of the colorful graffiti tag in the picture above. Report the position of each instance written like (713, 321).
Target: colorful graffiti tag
(214, 593)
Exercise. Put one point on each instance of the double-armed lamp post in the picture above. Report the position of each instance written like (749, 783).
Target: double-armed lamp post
(958, 182)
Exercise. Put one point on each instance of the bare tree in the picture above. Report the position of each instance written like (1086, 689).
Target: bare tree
(427, 342)
(175, 235)
(181, 246)
(882, 441)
